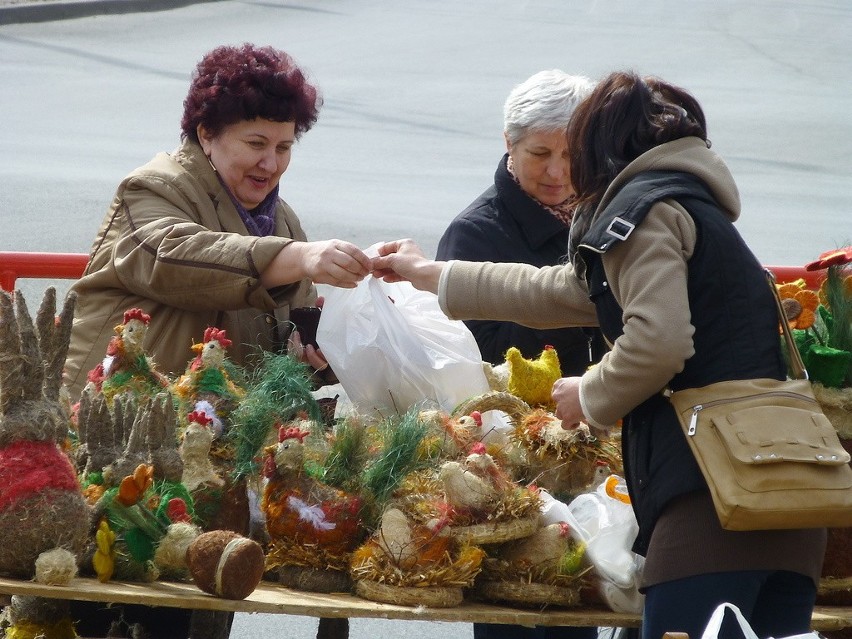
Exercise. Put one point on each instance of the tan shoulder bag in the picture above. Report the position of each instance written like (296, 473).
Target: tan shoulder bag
(770, 456)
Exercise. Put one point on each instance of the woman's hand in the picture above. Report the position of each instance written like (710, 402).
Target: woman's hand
(403, 261)
(566, 394)
(306, 353)
(334, 262)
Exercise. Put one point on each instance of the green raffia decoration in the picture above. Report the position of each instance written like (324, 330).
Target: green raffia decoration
(168, 490)
(840, 303)
(399, 456)
(277, 392)
(827, 346)
(140, 546)
(347, 458)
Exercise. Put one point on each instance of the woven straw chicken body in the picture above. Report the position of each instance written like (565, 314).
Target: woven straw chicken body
(126, 366)
(302, 510)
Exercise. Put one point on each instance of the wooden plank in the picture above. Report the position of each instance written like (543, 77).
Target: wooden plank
(270, 598)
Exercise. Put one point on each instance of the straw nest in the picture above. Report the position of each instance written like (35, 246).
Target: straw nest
(836, 403)
(421, 493)
(287, 553)
(559, 460)
(429, 596)
(533, 584)
(452, 570)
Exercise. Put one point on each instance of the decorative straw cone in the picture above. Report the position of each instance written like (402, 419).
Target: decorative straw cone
(429, 596)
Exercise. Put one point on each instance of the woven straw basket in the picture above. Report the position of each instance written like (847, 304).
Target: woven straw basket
(496, 532)
(429, 596)
(533, 594)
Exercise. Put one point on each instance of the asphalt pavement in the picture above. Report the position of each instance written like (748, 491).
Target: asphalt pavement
(410, 131)
(27, 11)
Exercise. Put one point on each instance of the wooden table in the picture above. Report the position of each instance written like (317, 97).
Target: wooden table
(271, 598)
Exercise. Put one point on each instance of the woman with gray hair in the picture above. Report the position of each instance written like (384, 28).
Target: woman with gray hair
(524, 217)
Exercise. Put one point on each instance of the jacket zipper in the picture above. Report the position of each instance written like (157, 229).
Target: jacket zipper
(693, 421)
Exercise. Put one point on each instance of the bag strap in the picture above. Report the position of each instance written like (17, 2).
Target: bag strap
(714, 626)
(796, 363)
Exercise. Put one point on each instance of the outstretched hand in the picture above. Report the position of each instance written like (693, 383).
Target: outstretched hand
(335, 262)
(403, 261)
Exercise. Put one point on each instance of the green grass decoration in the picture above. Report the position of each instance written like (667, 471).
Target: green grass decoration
(402, 438)
(347, 458)
(278, 390)
(840, 327)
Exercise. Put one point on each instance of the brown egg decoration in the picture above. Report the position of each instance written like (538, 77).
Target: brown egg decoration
(225, 564)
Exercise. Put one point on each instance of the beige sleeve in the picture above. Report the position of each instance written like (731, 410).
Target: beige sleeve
(162, 253)
(548, 297)
(648, 277)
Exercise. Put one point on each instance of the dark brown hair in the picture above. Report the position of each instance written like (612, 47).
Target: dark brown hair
(231, 84)
(624, 117)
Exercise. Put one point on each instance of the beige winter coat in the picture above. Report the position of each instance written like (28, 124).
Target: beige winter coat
(174, 245)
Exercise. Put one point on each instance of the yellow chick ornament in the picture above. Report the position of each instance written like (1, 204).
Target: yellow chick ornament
(103, 561)
(532, 379)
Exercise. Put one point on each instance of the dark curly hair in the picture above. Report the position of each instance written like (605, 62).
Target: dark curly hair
(625, 116)
(231, 84)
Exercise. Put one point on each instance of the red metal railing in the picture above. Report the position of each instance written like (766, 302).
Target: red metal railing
(14, 265)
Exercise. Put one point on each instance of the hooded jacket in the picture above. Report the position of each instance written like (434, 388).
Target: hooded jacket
(174, 245)
(648, 280)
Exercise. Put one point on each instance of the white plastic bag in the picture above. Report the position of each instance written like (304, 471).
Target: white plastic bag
(605, 522)
(715, 624)
(392, 347)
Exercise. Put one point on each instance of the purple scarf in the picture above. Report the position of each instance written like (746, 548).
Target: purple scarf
(260, 221)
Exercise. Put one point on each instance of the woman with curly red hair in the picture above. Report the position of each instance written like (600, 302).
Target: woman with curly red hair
(200, 237)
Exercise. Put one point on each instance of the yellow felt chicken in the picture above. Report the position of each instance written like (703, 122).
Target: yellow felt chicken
(532, 379)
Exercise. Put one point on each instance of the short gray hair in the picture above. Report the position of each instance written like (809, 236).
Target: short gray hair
(543, 102)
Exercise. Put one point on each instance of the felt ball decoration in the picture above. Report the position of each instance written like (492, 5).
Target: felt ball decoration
(225, 564)
(56, 567)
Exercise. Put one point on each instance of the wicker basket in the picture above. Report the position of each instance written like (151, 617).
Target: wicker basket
(531, 594)
(494, 532)
(429, 596)
(513, 406)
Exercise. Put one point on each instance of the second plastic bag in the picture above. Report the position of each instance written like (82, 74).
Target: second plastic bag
(391, 346)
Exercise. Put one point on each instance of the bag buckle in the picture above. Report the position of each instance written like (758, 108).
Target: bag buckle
(620, 228)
